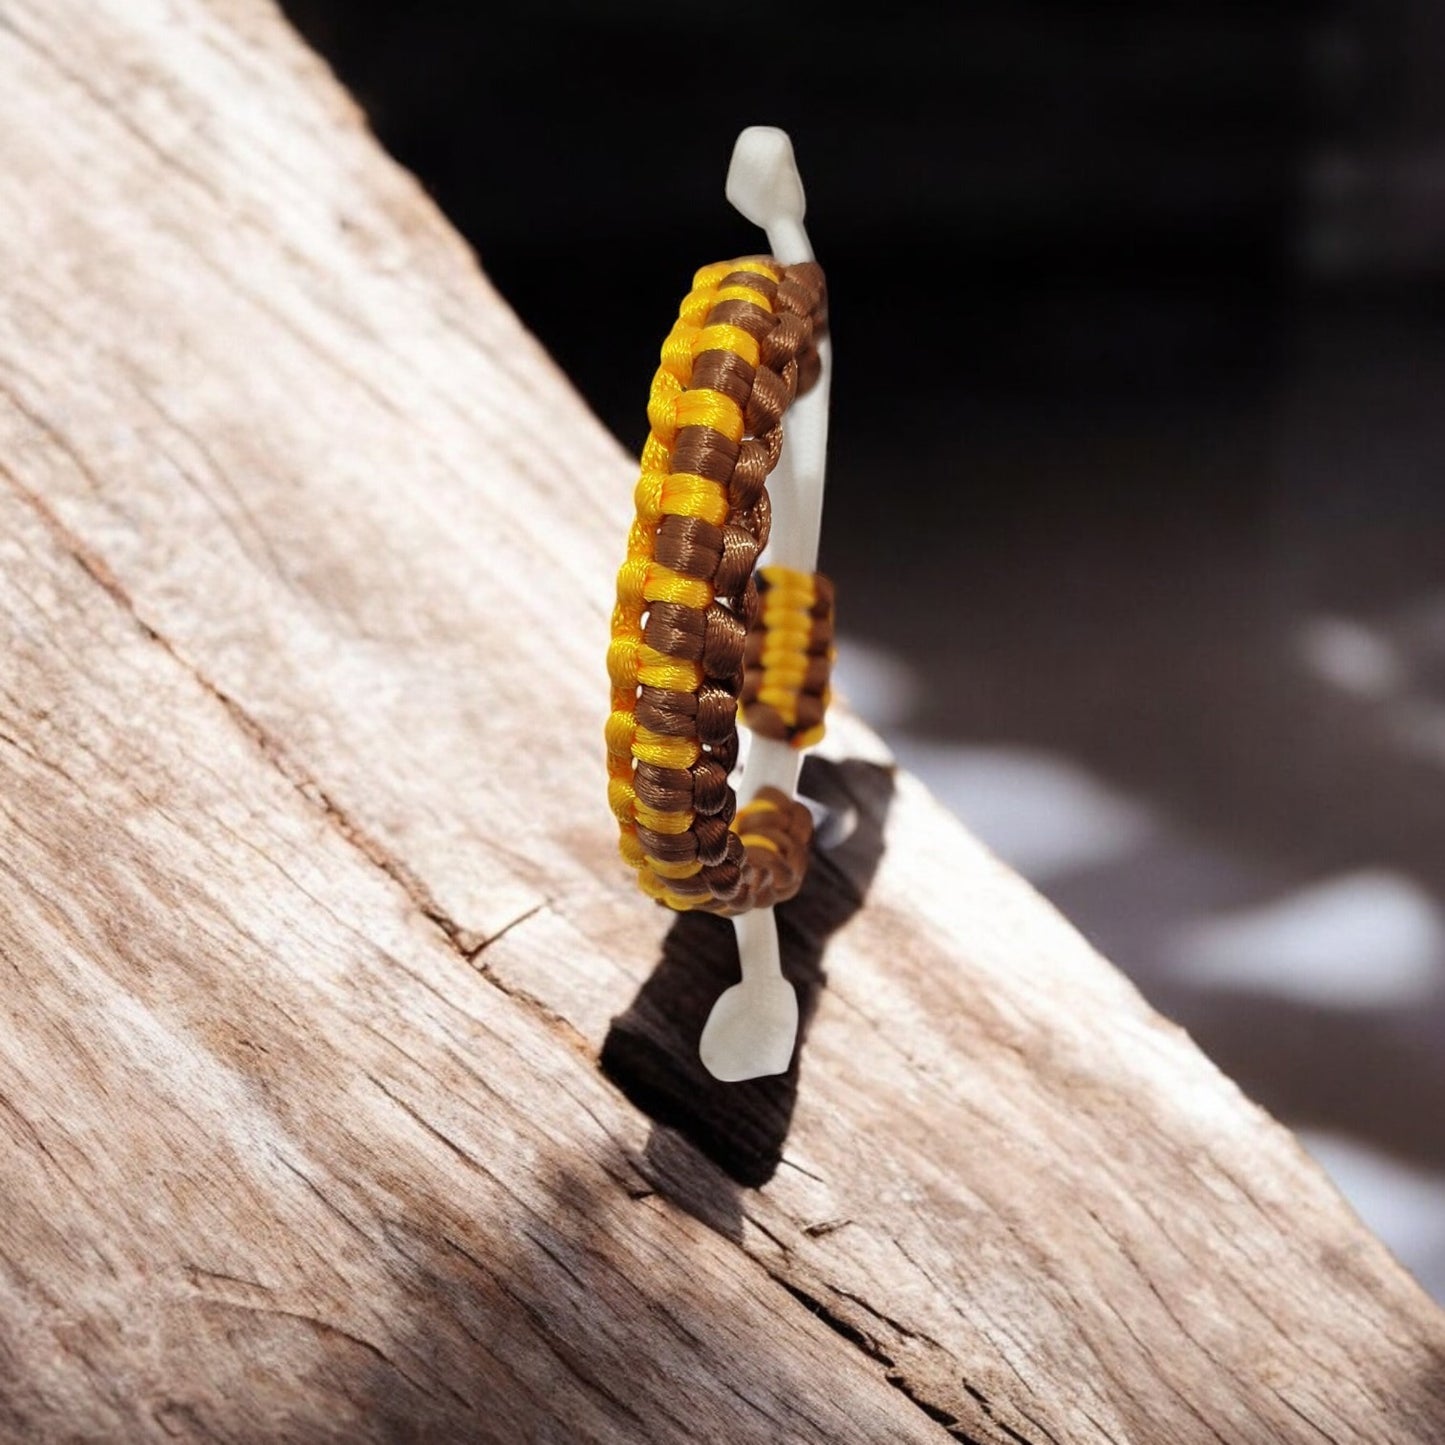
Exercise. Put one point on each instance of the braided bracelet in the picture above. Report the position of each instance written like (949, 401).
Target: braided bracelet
(696, 630)
(742, 346)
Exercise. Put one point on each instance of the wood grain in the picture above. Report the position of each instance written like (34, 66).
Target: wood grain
(349, 1089)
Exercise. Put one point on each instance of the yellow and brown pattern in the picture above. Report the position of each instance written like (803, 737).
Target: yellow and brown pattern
(743, 347)
(789, 657)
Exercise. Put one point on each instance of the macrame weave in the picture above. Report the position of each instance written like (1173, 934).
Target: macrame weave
(693, 630)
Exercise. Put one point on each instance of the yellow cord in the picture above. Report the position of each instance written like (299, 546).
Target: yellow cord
(787, 625)
(642, 580)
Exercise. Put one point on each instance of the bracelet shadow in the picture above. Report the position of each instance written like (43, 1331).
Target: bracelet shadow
(650, 1052)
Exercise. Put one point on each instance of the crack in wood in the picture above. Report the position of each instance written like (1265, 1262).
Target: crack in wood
(328, 1327)
(897, 1326)
(473, 954)
(1308, 1419)
(986, 1406)
(835, 1322)
(424, 1123)
(895, 1376)
(820, 1227)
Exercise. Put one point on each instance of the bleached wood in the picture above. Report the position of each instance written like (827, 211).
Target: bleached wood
(312, 931)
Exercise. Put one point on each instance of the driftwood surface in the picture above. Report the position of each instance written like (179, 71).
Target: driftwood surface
(347, 1086)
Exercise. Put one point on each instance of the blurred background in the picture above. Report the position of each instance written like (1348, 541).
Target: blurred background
(1136, 500)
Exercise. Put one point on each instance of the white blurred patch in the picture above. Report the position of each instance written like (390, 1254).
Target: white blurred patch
(880, 687)
(1366, 940)
(1404, 1206)
(1351, 657)
(1040, 813)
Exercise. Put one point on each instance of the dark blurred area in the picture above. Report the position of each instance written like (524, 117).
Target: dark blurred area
(1139, 424)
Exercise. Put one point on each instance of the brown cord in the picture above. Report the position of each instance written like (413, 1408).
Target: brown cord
(759, 860)
(808, 698)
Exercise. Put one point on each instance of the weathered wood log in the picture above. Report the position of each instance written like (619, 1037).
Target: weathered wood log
(348, 1089)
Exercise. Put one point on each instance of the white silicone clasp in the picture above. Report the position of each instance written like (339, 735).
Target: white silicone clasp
(753, 1027)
